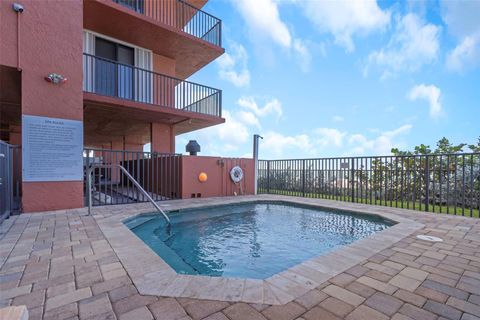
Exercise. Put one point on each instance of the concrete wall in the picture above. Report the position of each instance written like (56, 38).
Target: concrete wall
(163, 138)
(164, 65)
(50, 41)
(218, 172)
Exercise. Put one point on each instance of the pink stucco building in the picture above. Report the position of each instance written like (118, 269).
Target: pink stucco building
(122, 66)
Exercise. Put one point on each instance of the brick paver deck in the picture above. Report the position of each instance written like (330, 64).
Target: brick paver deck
(61, 266)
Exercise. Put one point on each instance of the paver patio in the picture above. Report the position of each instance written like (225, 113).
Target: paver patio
(62, 266)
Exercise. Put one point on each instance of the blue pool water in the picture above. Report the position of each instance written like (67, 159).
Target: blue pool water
(250, 240)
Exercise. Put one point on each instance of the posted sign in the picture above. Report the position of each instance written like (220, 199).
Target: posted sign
(52, 149)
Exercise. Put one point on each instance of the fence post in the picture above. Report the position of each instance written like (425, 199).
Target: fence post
(353, 180)
(88, 186)
(268, 176)
(303, 177)
(427, 181)
(10, 176)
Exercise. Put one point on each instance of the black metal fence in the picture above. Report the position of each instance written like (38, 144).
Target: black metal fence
(180, 15)
(110, 78)
(158, 173)
(444, 183)
(10, 179)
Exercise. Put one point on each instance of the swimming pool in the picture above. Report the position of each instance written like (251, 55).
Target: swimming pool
(250, 240)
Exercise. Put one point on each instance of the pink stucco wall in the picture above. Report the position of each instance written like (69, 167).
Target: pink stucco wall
(218, 172)
(50, 41)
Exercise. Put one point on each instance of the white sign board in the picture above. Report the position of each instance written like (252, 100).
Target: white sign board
(52, 149)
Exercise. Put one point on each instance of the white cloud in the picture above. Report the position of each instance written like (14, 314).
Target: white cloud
(430, 93)
(466, 53)
(399, 131)
(413, 44)
(230, 61)
(337, 118)
(222, 139)
(229, 138)
(379, 145)
(272, 106)
(332, 142)
(345, 19)
(233, 138)
(232, 131)
(275, 144)
(248, 118)
(462, 20)
(302, 54)
(461, 17)
(326, 137)
(263, 19)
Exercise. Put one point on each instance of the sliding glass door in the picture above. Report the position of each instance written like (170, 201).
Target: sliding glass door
(114, 69)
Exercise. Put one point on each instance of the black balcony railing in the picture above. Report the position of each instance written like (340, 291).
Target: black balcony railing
(443, 183)
(180, 15)
(110, 78)
(157, 173)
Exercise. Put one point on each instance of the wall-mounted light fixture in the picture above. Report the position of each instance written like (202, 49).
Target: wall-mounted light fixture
(55, 78)
(17, 7)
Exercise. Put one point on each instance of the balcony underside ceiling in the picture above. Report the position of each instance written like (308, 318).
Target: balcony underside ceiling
(111, 19)
(106, 116)
(102, 130)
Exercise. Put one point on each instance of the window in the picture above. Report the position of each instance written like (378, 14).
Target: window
(114, 69)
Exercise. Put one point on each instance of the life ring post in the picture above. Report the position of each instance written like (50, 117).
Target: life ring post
(256, 138)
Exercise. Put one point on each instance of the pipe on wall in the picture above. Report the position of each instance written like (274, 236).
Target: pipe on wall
(18, 8)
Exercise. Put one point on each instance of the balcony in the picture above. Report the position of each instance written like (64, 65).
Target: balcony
(181, 16)
(172, 28)
(110, 78)
(127, 97)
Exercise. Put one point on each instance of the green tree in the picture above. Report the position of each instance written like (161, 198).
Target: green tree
(444, 146)
(475, 148)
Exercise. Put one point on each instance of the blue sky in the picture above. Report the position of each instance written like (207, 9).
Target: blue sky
(325, 78)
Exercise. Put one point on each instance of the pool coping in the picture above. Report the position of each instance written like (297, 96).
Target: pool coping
(153, 276)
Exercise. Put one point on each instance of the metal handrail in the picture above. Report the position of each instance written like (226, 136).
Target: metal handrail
(129, 176)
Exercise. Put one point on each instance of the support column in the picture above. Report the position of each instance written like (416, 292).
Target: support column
(44, 48)
(162, 138)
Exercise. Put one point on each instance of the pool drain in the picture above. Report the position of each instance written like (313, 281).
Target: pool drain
(429, 238)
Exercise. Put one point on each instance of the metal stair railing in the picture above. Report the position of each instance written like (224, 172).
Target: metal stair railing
(129, 176)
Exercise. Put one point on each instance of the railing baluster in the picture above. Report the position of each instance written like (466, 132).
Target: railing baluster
(448, 184)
